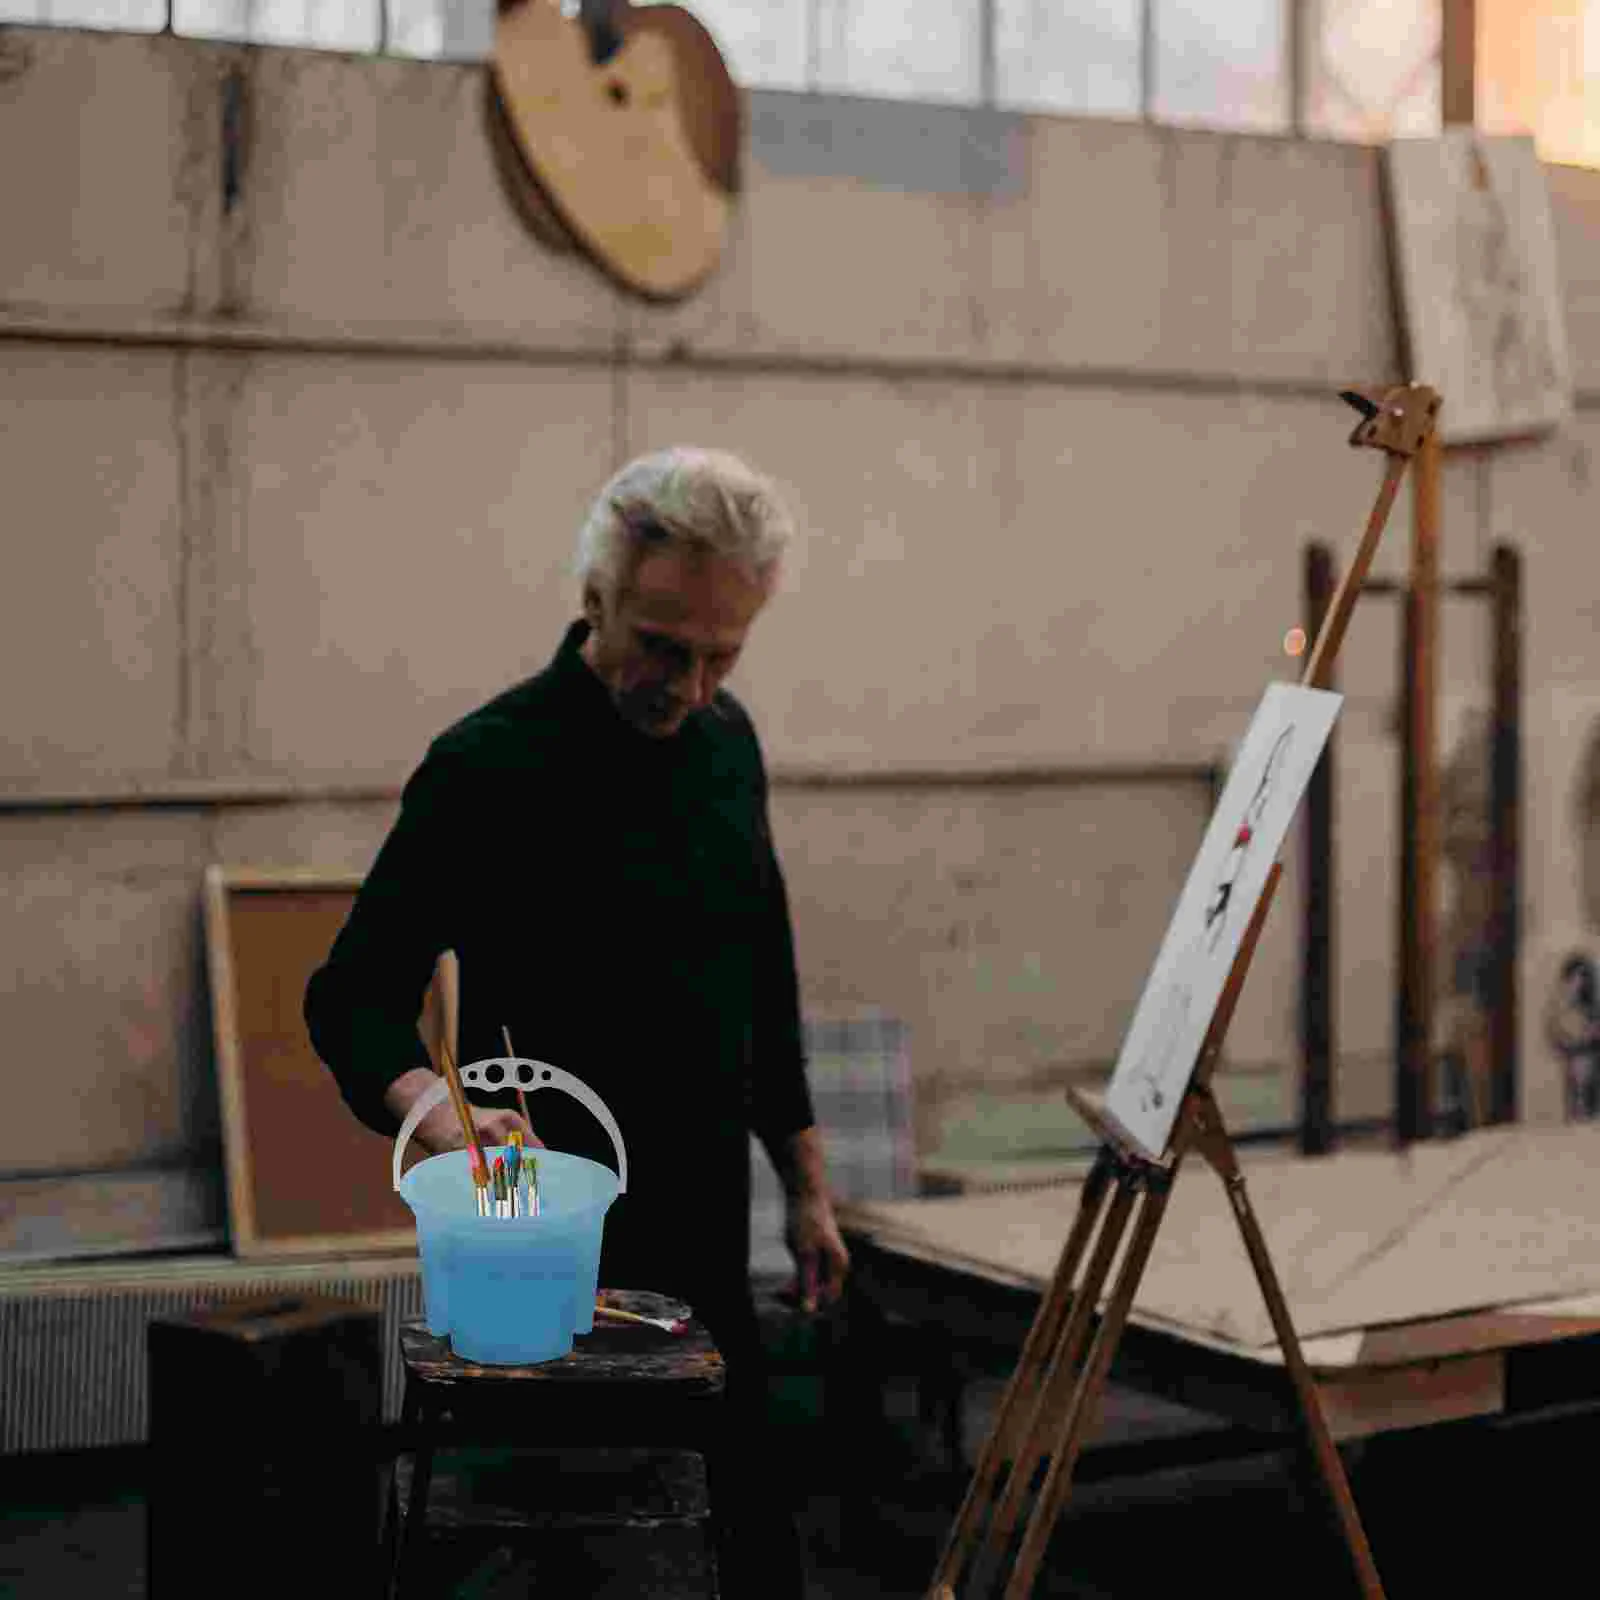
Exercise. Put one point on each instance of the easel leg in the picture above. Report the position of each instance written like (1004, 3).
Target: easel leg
(1022, 1390)
(1086, 1395)
(1211, 1140)
(1054, 1393)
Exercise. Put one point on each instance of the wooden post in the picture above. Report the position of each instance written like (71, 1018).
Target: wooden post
(1458, 62)
(1317, 952)
(1418, 809)
(1505, 799)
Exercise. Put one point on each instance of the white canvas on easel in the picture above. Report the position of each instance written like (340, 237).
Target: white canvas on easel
(1269, 775)
(1475, 253)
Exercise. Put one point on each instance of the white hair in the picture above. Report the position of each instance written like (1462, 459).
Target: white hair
(687, 499)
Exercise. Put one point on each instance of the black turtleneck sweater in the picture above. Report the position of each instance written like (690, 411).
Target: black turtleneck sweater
(616, 902)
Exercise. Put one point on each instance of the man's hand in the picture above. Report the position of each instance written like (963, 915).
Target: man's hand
(819, 1252)
(810, 1230)
(440, 1130)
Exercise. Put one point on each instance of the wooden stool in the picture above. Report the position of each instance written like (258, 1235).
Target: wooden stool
(263, 1420)
(624, 1388)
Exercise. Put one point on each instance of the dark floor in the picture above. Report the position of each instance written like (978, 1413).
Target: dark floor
(1466, 1512)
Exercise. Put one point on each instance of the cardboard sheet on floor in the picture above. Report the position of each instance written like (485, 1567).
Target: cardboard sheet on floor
(1360, 1239)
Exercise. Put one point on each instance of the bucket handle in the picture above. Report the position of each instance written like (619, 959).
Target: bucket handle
(516, 1072)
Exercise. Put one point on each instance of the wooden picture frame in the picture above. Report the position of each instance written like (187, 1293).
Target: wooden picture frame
(304, 1176)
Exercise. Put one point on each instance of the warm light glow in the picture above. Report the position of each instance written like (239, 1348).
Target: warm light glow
(1538, 73)
(1294, 642)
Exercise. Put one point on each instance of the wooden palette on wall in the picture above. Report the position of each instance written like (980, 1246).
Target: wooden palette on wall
(304, 1176)
(619, 132)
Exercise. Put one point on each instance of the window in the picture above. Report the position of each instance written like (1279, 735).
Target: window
(1372, 69)
(1064, 58)
(1368, 69)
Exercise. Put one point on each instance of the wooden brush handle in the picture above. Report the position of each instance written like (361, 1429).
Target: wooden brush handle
(447, 987)
(617, 1314)
(464, 1111)
(522, 1098)
(447, 981)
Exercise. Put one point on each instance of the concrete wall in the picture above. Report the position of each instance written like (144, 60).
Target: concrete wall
(296, 482)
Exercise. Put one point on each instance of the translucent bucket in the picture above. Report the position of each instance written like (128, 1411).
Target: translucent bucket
(510, 1291)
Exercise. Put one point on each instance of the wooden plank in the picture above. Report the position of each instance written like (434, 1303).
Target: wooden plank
(1366, 1403)
(1365, 1238)
(966, 1295)
(1479, 1332)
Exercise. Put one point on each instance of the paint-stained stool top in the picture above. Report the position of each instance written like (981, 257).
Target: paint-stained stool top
(613, 1353)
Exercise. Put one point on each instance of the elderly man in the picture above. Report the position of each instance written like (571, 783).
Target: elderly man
(594, 845)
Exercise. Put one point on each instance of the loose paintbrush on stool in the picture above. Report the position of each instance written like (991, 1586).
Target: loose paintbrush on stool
(673, 1325)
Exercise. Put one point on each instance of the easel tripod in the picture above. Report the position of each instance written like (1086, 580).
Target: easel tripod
(1054, 1391)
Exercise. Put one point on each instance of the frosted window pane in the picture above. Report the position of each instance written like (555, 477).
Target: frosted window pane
(308, 24)
(1373, 69)
(122, 16)
(441, 30)
(415, 28)
(1083, 58)
(1221, 63)
(900, 49)
(211, 19)
(766, 43)
(317, 24)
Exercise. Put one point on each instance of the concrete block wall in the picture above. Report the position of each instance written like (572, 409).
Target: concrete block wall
(297, 476)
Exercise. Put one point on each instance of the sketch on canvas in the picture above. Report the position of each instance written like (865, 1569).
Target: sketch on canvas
(1269, 775)
(1475, 249)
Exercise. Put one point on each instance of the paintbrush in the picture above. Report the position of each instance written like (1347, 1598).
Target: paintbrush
(480, 1180)
(514, 1172)
(617, 1314)
(522, 1099)
(469, 1129)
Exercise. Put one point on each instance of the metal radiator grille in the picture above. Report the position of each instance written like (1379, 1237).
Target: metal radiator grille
(72, 1344)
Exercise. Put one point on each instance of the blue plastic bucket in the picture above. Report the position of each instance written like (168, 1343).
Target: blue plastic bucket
(510, 1291)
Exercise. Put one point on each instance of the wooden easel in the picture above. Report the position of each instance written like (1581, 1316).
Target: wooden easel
(1053, 1395)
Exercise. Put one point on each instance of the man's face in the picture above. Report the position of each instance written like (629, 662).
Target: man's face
(673, 631)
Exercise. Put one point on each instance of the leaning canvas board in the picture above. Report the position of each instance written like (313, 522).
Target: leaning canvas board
(1475, 258)
(304, 1177)
(1269, 775)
